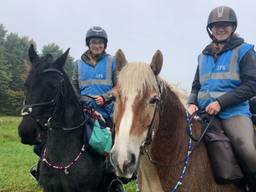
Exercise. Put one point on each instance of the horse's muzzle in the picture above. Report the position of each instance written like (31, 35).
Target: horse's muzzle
(124, 167)
(28, 131)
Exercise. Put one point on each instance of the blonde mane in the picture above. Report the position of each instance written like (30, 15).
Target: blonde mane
(141, 77)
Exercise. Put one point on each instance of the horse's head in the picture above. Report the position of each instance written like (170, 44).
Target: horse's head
(42, 87)
(137, 97)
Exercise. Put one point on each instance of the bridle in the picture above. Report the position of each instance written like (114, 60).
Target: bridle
(27, 109)
(153, 124)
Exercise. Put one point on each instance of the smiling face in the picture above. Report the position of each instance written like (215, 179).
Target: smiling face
(222, 30)
(96, 46)
(135, 104)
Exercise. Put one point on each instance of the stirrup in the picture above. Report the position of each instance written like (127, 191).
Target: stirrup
(34, 173)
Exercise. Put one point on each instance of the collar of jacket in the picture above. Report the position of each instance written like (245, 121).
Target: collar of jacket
(87, 57)
(233, 42)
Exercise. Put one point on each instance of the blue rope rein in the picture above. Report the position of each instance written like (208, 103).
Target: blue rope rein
(187, 158)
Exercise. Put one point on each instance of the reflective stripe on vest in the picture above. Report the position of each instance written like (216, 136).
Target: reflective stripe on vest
(205, 95)
(231, 74)
(107, 81)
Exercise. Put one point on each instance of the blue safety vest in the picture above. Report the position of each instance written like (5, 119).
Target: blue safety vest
(221, 76)
(97, 80)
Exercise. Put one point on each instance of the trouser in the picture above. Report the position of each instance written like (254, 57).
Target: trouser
(239, 130)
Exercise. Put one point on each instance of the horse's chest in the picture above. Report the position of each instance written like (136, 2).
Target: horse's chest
(149, 179)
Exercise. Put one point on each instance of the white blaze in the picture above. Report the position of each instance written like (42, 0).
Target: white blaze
(123, 138)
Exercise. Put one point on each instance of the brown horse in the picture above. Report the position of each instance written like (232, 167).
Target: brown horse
(151, 133)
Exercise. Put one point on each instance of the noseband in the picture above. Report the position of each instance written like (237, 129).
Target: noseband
(27, 109)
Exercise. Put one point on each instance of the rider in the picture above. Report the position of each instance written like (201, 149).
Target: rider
(95, 74)
(93, 78)
(225, 80)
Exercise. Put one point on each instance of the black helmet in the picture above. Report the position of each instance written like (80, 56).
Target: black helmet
(221, 14)
(96, 32)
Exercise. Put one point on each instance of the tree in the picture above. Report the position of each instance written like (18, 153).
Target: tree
(5, 75)
(15, 66)
(17, 55)
(2, 34)
(55, 51)
(16, 52)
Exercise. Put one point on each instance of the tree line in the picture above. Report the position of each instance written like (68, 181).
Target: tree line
(15, 66)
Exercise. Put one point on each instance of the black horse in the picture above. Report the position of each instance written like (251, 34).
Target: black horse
(51, 106)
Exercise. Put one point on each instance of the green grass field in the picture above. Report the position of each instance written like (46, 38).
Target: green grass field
(16, 160)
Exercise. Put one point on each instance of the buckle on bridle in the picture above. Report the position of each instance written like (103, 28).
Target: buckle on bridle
(26, 111)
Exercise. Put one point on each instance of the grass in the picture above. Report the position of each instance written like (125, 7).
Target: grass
(16, 160)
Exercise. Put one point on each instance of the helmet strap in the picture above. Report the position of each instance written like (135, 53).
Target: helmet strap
(215, 40)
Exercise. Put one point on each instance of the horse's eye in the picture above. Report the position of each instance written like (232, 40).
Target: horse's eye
(115, 96)
(154, 100)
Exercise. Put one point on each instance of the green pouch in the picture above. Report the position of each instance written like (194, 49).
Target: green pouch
(100, 138)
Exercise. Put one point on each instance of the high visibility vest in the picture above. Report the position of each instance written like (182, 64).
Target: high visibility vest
(97, 80)
(221, 76)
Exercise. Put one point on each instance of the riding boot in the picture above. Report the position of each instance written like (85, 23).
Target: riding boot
(34, 171)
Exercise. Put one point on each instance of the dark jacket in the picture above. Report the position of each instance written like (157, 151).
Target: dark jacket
(246, 90)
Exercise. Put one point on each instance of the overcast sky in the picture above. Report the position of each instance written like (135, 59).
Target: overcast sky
(138, 27)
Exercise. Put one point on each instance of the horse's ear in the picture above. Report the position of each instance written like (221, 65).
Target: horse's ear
(60, 62)
(33, 57)
(157, 62)
(120, 60)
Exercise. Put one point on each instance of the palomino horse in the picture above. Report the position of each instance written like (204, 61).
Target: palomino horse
(66, 164)
(151, 133)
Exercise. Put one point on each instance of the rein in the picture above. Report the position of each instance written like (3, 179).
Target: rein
(185, 160)
(190, 149)
(60, 167)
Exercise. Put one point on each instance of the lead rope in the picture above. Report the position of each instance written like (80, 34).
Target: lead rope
(186, 160)
(183, 171)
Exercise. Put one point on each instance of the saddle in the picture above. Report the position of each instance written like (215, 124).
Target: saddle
(224, 164)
